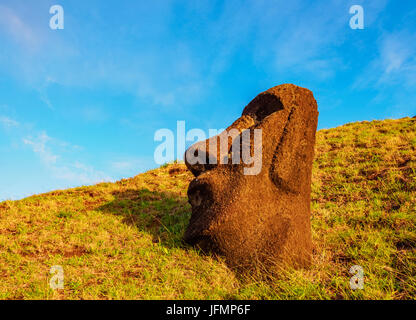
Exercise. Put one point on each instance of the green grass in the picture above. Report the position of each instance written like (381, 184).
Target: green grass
(123, 240)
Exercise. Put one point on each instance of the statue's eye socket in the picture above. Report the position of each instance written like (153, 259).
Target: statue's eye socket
(262, 106)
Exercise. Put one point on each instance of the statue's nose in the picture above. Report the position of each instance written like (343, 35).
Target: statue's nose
(206, 155)
(198, 159)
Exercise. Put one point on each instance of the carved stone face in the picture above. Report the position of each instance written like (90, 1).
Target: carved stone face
(258, 212)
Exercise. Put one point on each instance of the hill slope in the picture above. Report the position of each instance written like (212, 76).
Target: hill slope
(122, 240)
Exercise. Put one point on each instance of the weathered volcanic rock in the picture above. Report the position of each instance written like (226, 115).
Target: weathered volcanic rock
(262, 217)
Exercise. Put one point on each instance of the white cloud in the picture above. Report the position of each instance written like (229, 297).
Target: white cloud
(392, 74)
(398, 57)
(39, 146)
(73, 172)
(122, 165)
(44, 97)
(395, 63)
(80, 173)
(8, 122)
(130, 166)
(17, 28)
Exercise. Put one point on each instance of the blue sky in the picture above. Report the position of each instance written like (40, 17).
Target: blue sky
(82, 104)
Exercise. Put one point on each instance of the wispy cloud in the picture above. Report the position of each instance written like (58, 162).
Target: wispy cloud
(43, 92)
(128, 166)
(39, 145)
(17, 28)
(79, 173)
(394, 64)
(123, 165)
(398, 58)
(391, 74)
(8, 122)
(74, 172)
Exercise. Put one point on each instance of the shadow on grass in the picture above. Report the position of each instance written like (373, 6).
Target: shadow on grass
(164, 215)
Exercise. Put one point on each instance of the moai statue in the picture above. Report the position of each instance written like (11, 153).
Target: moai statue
(251, 194)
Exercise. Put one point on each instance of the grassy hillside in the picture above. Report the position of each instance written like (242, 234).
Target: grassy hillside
(122, 240)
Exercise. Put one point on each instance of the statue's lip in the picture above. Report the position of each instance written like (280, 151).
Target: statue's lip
(195, 239)
(204, 242)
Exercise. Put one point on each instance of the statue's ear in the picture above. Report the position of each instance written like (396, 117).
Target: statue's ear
(293, 156)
